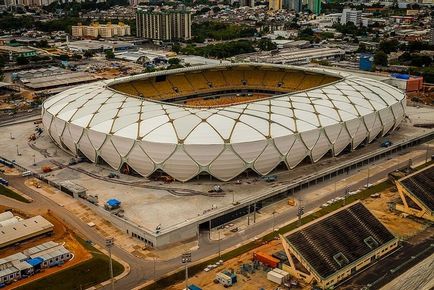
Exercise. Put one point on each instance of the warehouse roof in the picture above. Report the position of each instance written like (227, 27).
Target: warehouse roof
(421, 185)
(56, 80)
(24, 229)
(51, 253)
(39, 248)
(340, 239)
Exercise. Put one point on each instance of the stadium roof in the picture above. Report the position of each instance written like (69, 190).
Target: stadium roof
(105, 111)
(340, 239)
(185, 140)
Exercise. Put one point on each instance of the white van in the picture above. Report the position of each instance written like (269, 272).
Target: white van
(26, 173)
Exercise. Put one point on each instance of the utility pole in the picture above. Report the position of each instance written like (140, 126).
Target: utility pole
(155, 260)
(300, 212)
(248, 215)
(367, 179)
(34, 160)
(346, 194)
(335, 188)
(426, 155)
(186, 258)
(109, 243)
(220, 255)
(274, 221)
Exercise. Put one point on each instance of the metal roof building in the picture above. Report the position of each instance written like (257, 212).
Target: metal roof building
(417, 193)
(141, 121)
(338, 245)
(23, 230)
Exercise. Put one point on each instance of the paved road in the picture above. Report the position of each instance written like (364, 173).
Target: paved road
(142, 270)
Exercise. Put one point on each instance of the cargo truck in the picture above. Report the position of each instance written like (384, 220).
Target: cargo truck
(266, 259)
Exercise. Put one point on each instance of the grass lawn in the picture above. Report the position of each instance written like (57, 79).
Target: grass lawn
(81, 276)
(178, 276)
(12, 194)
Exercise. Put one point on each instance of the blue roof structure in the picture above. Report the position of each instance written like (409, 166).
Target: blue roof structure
(35, 261)
(113, 202)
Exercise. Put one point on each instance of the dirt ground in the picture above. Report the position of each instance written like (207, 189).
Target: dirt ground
(61, 234)
(9, 171)
(402, 227)
(255, 281)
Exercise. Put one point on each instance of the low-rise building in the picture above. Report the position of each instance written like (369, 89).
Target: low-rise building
(12, 52)
(23, 264)
(24, 230)
(96, 30)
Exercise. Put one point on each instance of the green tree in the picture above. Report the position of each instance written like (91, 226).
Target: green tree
(43, 43)
(88, 53)
(21, 60)
(389, 46)
(174, 63)
(176, 47)
(362, 48)
(109, 54)
(63, 57)
(380, 58)
(266, 44)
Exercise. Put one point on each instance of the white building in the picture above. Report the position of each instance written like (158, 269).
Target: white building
(354, 16)
(23, 264)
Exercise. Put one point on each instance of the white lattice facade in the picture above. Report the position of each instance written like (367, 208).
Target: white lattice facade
(100, 122)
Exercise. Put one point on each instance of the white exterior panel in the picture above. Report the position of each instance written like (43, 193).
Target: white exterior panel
(224, 141)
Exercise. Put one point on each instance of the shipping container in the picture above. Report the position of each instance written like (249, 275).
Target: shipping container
(414, 84)
(275, 277)
(281, 272)
(224, 279)
(266, 259)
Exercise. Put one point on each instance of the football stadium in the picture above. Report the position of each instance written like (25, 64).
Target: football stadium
(221, 120)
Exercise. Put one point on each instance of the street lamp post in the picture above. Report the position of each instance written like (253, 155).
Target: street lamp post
(186, 258)
(109, 243)
(155, 260)
(346, 194)
(300, 213)
(219, 247)
(367, 179)
(274, 221)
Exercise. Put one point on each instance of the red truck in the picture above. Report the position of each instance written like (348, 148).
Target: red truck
(266, 259)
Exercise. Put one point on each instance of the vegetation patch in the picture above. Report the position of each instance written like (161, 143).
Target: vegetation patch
(11, 194)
